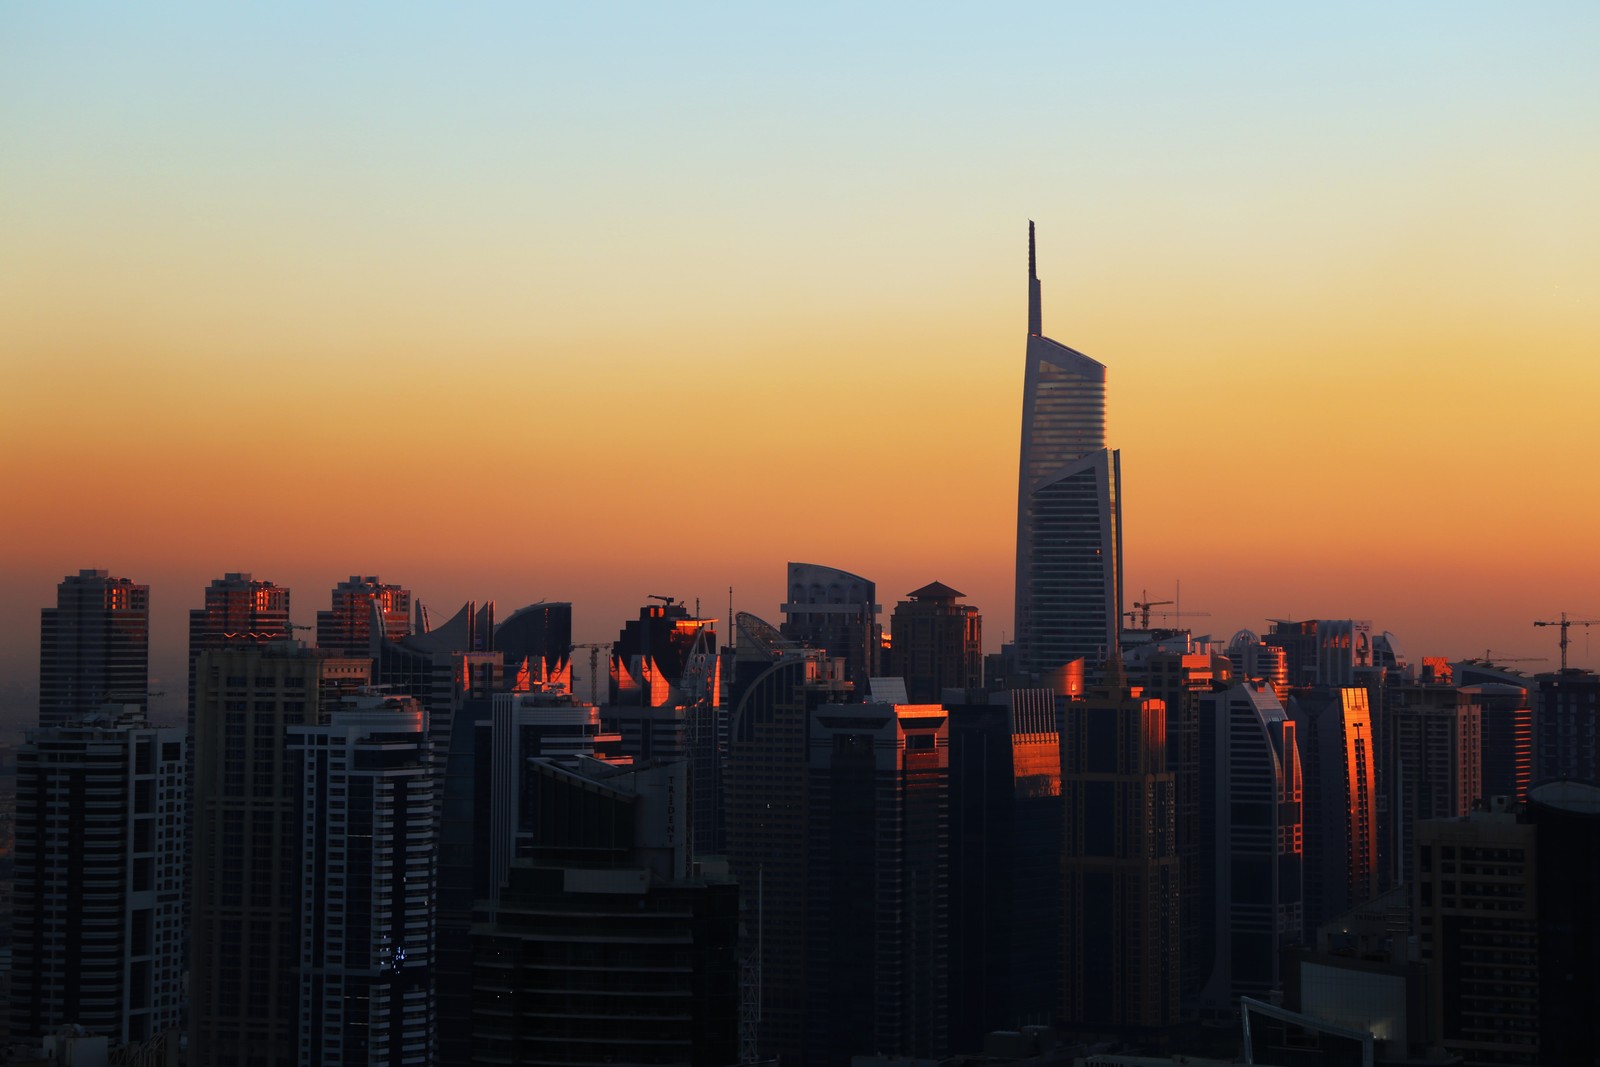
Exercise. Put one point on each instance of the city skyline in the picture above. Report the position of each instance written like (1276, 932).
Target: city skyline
(1342, 272)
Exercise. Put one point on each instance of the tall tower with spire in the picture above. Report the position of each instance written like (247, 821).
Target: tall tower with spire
(1069, 506)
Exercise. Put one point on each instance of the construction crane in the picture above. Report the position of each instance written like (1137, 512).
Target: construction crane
(1141, 608)
(667, 600)
(594, 666)
(1565, 622)
(1491, 657)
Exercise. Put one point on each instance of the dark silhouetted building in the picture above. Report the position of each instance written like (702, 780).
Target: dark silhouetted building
(877, 934)
(938, 644)
(835, 611)
(94, 647)
(1327, 652)
(1566, 727)
(346, 628)
(247, 893)
(1249, 867)
(1005, 866)
(604, 948)
(97, 917)
(1566, 818)
(1069, 507)
(1120, 864)
(537, 640)
(1436, 737)
(1478, 933)
(767, 793)
(1507, 717)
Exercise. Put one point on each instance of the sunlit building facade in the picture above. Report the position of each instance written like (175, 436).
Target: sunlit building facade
(239, 610)
(346, 628)
(1069, 510)
(94, 647)
(1334, 730)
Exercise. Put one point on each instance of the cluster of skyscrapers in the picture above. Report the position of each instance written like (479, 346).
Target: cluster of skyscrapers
(414, 843)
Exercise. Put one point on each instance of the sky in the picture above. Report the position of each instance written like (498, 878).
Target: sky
(594, 301)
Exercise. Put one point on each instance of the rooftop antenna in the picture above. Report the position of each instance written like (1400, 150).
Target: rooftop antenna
(1034, 327)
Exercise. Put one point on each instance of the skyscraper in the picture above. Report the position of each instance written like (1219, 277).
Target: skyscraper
(877, 919)
(1249, 867)
(1069, 507)
(94, 647)
(245, 939)
(98, 917)
(1120, 900)
(366, 877)
(239, 610)
(938, 644)
(345, 629)
(1334, 730)
(836, 611)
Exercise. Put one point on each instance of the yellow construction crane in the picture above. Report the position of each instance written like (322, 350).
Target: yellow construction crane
(1565, 622)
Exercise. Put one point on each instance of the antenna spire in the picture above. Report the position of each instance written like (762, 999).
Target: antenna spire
(1034, 327)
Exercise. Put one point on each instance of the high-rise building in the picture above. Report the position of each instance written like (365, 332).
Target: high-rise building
(1120, 863)
(540, 636)
(346, 628)
(94, 647)
(1249, 868)
(938, 644)
(1566, 727)
(1005, 868)
(245, 937)
(366, 878)
(605, 947)
(1069, 507)
(1323, 651)
(97, 922)
(767, 790)
(837, 612)
(1436, 735)
(1180, 679)
(1334, 731)
(1478, 933)
(877, 918)
(239, 610)
(1566, 817)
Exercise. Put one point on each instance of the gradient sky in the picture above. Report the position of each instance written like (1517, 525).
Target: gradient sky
(588, 302)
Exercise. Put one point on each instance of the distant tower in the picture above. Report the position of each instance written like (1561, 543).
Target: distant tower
(1121, 863)
(239, 610)
(345, 629)
(938, 644)
(98, 935)
(1069, 507)
(94, 647)
(835, 611)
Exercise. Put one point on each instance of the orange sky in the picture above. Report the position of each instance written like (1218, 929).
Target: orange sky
(626, 320)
